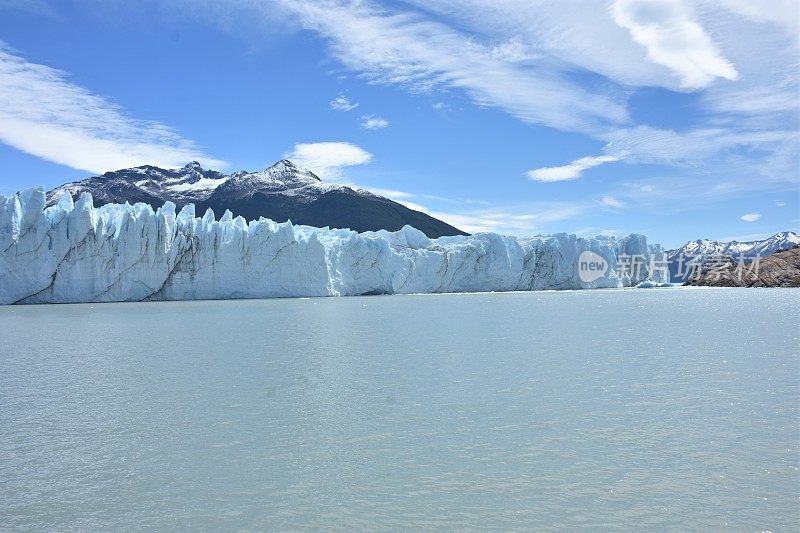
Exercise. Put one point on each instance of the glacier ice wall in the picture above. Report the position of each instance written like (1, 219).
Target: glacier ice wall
(75, 252)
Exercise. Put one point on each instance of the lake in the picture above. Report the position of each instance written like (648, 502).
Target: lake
(606, 409)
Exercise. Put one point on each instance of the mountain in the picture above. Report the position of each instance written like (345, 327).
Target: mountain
(781, 269)
(75, 252)
(281, 192)
(700, 250)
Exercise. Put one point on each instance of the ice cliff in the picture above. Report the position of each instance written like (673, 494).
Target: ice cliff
(75, 252)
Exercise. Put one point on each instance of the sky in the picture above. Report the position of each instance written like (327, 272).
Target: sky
(678, 119)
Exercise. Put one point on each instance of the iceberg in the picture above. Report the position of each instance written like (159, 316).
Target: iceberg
(76, 252)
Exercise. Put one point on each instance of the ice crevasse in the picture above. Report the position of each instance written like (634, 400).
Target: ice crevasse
(75, 252)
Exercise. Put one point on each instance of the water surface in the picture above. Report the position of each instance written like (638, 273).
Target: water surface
(622, 409)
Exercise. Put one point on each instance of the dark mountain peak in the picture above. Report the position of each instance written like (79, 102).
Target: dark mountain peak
(282, 191)
(284, 166)
(194, 165)
(284, 163)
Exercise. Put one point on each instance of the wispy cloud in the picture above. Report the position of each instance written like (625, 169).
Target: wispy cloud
(390, 193)
(570, 171)
(327, 159)
(342, 103)
(469, 222)
(673, 38)
(385, 47)
(543, 65)
(522, 220)
(751, 217)
(644, 144)
(514, 49)
(610, 201)
(674, 194)
(740, 57)
(372, 122)
(475, 216)
(44, 114)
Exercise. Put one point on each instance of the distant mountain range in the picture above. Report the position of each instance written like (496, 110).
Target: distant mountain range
(280, 192)
(705, 248)
(781, 269)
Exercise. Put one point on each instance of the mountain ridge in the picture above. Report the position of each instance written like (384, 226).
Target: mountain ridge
(279, 192)
(699, 249)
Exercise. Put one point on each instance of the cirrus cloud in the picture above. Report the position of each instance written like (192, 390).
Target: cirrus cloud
(343, 103)
(44, 114)
(610, 202)
(570, 171)
(372, 122)
(385, 47)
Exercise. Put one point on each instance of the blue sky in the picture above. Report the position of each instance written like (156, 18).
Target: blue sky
(673, 118)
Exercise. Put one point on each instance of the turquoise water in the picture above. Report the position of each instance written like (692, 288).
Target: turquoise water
(628, 409)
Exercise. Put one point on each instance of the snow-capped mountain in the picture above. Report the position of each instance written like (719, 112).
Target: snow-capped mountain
(703, 248)
(280, 192)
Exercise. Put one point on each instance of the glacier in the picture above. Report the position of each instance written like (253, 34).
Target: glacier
(75, 252)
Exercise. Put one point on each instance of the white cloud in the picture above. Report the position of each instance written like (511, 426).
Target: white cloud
(526, 65)
(327, 159)
(372, 122)
(746, 127)
(779, 203)
(390, 193)
(673, 38)
(751, 217)
(610, 201)
(570, 171)
(514, 49)
(532, 65)
(468, 223)
(45, 115)
(342, 103)
(643, 144)
(564, 32)
(422, 54)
